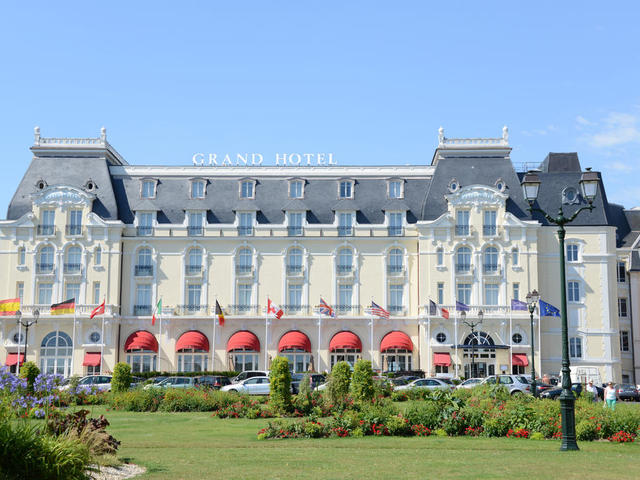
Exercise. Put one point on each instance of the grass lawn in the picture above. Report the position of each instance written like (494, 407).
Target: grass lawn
(196, 445)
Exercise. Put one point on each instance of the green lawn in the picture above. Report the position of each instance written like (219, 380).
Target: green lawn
(196, 445)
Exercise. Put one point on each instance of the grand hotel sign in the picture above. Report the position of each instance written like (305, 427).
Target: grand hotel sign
(257, 160)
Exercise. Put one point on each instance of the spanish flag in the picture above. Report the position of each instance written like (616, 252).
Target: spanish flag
(9, 307)
(68, 306)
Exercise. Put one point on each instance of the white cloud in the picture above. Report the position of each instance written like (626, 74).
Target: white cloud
(620, 167)
(619, 129)
(583, 121)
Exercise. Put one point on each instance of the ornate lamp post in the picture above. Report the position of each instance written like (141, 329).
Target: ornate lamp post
(532, 302)
(589, 185)
(26, 325)
(474, 341)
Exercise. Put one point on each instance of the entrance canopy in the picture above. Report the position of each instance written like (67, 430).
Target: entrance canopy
(441, 359)
(91, 359)
(346, 340)
(192, 339)
(141, 340)
(12, 359)
(294, 340)
(520, 359)
(243, 340)
(396, 341)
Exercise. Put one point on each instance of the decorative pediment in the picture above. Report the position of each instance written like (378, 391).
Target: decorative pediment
(476, 195)
(63, 195)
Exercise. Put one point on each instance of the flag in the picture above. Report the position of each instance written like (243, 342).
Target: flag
(548, 310)
(433, 308)
(445, 313)
(378, 311)
(157, 311)
(9, 307)
(325, 309)
(220, 314)
(68, 306)
(99, 310)
(461, 307)
(518, 305)
(274, 310)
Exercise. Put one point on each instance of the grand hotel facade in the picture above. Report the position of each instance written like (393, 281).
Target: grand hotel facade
(85, 224)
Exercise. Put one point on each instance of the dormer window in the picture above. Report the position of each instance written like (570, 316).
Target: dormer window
(346, 189)
(148, 189)
(197, 189)
(396, 189)
(196, 223)
(247, 189)
(296, 189)
(145, 223)
(345, 224)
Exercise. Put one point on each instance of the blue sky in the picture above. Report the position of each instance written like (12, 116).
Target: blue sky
(369, 81)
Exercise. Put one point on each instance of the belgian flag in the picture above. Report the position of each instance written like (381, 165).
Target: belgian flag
(9, 307)
(63, 308)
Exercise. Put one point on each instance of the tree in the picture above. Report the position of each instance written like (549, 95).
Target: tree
(30, 371)
(338, 387)
(121, 380)
(362, 389)
(280, 384)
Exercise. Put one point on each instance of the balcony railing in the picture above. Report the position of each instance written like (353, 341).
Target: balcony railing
(144, 231)
(345, 231)
(490, 268)
(242, 309)
(396, 309)
(294, 270)
(245, 231)
(463, 267)
(44, 230)
(142, 309)
(344, 269)
(72, 268)
(294, 231)
(192, 269)
(489, 230)
(44, 267)
(296, 309)
(395, 231)
(72, 230)
(462, 229)
(193, 231)
(244, 269)
(347, 309)
(143, 270)
(192, 309)
(395, 269)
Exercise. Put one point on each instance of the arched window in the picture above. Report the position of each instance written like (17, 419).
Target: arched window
(45, 260)
(479, 339)
(144, 262)
(395, 260)
(490, 260)
(243, 348)
(345, 346)
(294, 261)
(193, 352)
(142, 349)
(244, 261)
(345, 260)
(73, 259)
(194, 260)
(55, 354)
(575, 347)
(463, 260)
(296, 347)
(396, 350)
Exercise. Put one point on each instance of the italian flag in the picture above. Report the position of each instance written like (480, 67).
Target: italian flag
(157, 311)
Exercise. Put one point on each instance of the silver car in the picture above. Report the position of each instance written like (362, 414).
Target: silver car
(516, 384)
(470, 383)
(173, 382)
(428, 383)
(250, 386)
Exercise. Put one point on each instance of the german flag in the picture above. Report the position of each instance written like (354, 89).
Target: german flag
(9, 306)
(62, 308)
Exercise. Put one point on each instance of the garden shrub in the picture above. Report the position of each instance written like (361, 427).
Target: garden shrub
(90, 431)
(428, 414)
(398, 426)
(121, 380)
(495, 426)
(137, 400)
(29, 371)
(362, 389)
(280, 384)
(338, 385)
(586, 431)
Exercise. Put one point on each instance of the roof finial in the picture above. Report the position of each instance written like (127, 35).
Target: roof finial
(36, 134)
(441, 136)
(505, 135)
(103, 134)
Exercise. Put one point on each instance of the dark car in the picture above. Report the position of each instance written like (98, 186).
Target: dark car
(627, 392)
(554, 393)
(212, 381)
(403, 380)
(315, 379)
(541, 387)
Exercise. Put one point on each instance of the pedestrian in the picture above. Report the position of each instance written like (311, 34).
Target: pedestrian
(610, 396)
(593, 390)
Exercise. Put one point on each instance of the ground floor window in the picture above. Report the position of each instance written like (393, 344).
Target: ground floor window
(55, 354)
(299, 360)
(142, 361)
(518, 370)
(349, 355)
(193, 360)
(442, 369)
(93, 370)
(396, 360)
(244, 360)
(479, 369)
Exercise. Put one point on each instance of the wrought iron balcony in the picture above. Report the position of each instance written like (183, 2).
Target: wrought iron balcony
(192, 269)
(490, 268)
(72, 268)
(489, 230)
(144, 231)
(244, 269)
(294, 231)
(396, 309)
(296, 309)
(462, 229)
(294, 270)
(395, 269)
(242, 309)
(345, 231)
(45, 230)
(195, 231)
(245, 231)
(395, 231)
(44, 267)
(142, 309)
(72, 230)
(463, 268)
(347, 309)
(192, 309)
(143, 270)
(344, 269)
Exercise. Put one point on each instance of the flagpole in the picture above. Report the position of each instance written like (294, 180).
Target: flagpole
(102, 343)
(266, 335)
(456, 335)
(428, 341)
(73, 343)
(319, 333)
(19, 345)
(160, 341)
(539, 347)
(213, 340)
(511, 338)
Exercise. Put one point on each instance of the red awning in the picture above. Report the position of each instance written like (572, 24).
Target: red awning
(441, 359)
(91, 359)
(192, 339)
(396, 340)
(345, 340)
(520, 359)
(243, 340)
(141, 340)
(294, 340)
(12, 359)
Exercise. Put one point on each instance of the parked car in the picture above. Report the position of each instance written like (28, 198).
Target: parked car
(95, 382)
(429, 383)
(157, 379)
(315, 380)
(250, 386)
(403, 380)
(554, 393)
(541, 386)
(627, 392)
(212, 381)
(514, 383)
(173, 382)
(136, 382)
(470, 383)
(248, 374)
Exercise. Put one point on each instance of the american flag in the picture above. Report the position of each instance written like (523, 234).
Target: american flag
(325, 309)
(378, 311)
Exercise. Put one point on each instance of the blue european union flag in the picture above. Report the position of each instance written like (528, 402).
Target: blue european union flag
(461, 307)
(548, 310)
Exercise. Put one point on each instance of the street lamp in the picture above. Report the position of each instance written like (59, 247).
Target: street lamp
(474, 340)
(589, 185)
(532, 302)
(26, 325)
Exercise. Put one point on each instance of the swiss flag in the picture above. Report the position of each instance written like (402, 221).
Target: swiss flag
(274, 310)
(445, 313)
(99, 310)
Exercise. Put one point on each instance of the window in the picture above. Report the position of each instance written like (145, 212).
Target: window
(55, 354)
(244, 261)
(622, 307)
(194, 261)
(245, 224)
(45, 260)
(145, 223)
(244, 297)
(72, 290)
(244, 360)
(516, 338)
(572, 252)
(345, 261)
(464, 293)
(148, 189)
(395, 260)
(489, 228)
(194, 291)
(440, 256)
(45, 291)
(490, 294)
(345, 297)
(75, 223)
(463, 260)
(97, 256)
(516, 291)
(395, 189)
(396, 304)
(197, 189)
(94, 337)
(396, 360)
(20, 291)
(294, 261)
(192, 360)
(622, 273)
(294, 297)
(144, 265)
(462, 222)
(440, 290)
(345, 224)
(624, 341)
(441, 337)
(515, 257)
(395, 223)
(569, 195)
(196, 221)
(143, 300)
(48, 223)
(295, 189)
(246, 189)
(573, 291)
(294, 228)
(346, 189)
(142, 361)
(21, 256)
(491, 260)
(299, 360)
(96, 293)
(73, 261)
(349, 355)
(575, 347)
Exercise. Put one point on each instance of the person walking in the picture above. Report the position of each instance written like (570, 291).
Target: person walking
(610, 396)
(593, 390)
